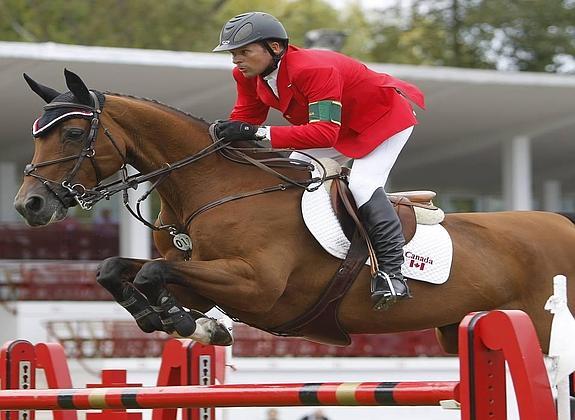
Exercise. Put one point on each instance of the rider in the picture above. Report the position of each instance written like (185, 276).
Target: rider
(337, 107)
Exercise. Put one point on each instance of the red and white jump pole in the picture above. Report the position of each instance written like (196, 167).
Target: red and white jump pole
(244, 395)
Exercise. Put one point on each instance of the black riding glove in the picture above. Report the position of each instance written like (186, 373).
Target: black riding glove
(230, 130)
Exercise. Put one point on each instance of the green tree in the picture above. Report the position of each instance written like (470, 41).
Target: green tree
(356, 25)
(303, 15)
(170, 24)
(532, 35)
(429, 32)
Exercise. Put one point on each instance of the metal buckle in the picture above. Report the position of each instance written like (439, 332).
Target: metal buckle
(78, 191)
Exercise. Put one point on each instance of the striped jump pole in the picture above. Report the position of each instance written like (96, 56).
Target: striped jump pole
(236, 395)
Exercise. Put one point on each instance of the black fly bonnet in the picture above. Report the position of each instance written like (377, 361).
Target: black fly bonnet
(64, 107)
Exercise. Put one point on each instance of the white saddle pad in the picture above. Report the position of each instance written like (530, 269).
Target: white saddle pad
(427, 256)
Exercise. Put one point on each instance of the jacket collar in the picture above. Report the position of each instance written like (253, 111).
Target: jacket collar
(283, 84)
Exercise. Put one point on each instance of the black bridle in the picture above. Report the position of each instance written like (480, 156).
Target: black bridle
(83, 196)
(87, 197)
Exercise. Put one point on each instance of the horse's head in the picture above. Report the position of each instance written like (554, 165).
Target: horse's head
(67, 139)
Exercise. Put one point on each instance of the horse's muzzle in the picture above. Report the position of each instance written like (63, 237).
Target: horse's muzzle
(39, 209)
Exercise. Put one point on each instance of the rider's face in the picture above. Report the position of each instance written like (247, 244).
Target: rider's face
(252, 59)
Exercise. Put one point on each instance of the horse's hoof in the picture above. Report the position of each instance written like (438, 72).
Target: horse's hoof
(221, 335)
(210, 331)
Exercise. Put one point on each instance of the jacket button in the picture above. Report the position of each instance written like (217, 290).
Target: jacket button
(289, 85)
(288, 116)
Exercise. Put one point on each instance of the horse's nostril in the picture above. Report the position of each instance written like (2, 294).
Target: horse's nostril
(35, 203)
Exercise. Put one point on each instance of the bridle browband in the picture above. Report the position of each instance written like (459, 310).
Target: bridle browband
(88, 197)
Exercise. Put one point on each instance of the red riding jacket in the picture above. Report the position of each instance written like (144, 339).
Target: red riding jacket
(374, 105)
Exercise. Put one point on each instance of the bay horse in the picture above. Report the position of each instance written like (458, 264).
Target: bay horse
(253, 257)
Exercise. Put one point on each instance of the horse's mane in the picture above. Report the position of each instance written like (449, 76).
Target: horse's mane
(245, 143)
(156, 102)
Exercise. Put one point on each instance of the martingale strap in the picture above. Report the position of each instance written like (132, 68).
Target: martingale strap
(325, 111)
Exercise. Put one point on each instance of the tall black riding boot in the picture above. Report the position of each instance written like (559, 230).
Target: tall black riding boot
(384, 230)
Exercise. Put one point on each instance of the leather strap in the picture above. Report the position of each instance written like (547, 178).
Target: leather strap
(318, 322)
(359, 226)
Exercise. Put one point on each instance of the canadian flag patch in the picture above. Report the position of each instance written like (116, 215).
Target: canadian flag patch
(417, 261)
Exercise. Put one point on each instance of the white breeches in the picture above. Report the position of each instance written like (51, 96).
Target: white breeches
(369, 172)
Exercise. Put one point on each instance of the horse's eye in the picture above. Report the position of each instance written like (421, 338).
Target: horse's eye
(74, 134)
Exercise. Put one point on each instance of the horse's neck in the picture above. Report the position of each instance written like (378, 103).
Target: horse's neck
(157, 136)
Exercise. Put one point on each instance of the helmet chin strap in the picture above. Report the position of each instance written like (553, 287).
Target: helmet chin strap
(275, 58)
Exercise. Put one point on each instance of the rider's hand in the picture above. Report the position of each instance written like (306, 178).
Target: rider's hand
(230, 130)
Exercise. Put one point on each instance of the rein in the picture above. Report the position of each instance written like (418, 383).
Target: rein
(238, 155)
(88, 197)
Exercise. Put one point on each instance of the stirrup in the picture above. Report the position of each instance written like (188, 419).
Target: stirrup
(387, 297)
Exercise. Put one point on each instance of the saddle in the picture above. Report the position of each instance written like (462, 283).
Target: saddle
(320, 322)
(403, 202)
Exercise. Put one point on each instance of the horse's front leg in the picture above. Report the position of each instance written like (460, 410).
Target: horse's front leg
(116, 275)
(221, 279)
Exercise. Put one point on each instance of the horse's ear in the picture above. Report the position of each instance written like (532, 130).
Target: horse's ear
(78, 88)
(44, 92)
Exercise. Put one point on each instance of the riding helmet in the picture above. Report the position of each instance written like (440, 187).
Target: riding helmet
(250, 27)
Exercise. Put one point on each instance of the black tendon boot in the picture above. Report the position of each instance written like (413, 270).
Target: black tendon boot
(384, 230)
